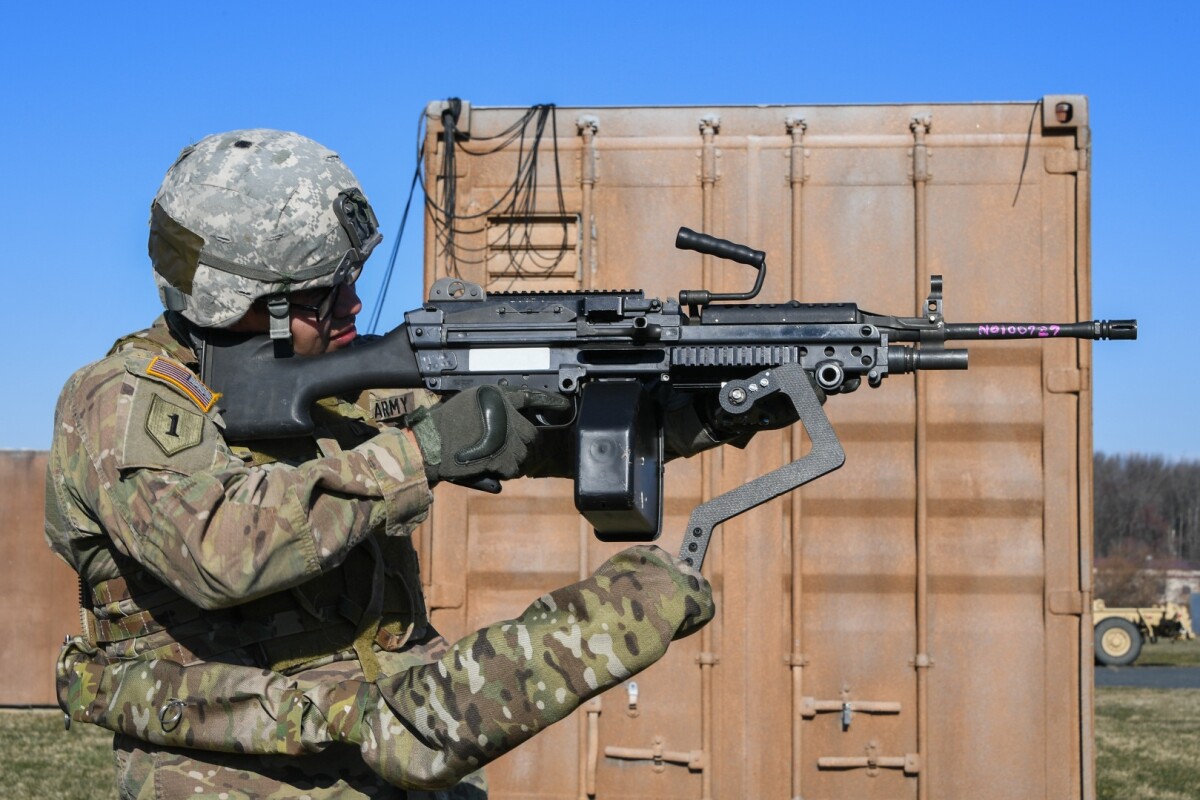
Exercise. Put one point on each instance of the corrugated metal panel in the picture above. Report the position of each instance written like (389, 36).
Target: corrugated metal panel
(934, 583)
(39, 591)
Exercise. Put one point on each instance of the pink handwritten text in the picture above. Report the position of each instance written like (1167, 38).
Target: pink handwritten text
(1032, 331)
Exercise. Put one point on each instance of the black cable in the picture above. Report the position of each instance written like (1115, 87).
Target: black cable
(1025, 160)
(387, 273)
(517, 203)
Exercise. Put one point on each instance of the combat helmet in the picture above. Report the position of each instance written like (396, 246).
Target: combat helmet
(255, 214)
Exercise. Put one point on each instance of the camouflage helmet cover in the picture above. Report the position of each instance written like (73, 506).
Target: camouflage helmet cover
(246, 214)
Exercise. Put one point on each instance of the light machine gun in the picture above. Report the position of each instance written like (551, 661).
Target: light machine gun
(618, 354)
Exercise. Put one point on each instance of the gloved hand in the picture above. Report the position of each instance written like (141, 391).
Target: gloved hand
(480, 432)
(693, 423)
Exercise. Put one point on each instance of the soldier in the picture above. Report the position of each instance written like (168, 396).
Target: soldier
(253, 624)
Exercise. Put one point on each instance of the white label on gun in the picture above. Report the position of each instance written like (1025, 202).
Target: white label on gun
(509, 359)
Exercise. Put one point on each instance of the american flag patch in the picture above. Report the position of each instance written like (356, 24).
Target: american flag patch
(184, 381)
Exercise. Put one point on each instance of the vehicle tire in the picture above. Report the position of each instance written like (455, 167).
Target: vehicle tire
(1118, 642)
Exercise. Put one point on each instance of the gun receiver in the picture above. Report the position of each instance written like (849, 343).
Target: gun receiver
(619, 354)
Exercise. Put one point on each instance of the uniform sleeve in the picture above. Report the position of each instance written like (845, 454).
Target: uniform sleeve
(153, 472)
(499, 686)
(428, 726)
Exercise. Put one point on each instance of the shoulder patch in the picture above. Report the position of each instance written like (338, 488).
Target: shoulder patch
(183, 380)
(173, 428)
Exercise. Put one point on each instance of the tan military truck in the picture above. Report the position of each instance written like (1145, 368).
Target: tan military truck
(1120, 632)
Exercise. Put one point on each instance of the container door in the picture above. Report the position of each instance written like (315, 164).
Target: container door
(911, 626)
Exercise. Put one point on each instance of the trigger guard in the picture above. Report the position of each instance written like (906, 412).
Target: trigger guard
(552, 421)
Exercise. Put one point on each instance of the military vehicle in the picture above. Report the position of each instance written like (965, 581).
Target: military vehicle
(1120, 632)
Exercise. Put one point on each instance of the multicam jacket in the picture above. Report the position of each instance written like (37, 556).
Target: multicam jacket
(194, 550)
(267, 603)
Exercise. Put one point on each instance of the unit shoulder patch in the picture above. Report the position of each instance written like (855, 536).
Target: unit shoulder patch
(172, 427)
(182, 379)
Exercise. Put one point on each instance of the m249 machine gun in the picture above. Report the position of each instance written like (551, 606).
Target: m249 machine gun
(619, 354)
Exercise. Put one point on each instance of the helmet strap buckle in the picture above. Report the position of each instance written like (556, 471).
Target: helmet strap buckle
(279, 311)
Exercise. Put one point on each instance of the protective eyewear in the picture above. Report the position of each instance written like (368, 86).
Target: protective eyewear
(345, 275)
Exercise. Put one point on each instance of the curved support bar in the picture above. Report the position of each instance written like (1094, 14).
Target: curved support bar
(825, 456)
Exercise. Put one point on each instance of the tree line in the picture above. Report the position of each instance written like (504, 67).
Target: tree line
(1147, 515)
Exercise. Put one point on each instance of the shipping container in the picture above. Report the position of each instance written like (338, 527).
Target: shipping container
(915, 625)
(41, 591)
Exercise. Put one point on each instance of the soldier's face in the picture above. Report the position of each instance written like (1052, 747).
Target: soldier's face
(311, 337)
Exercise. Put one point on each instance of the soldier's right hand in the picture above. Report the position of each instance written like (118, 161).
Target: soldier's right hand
(647, 574)
(481, 432)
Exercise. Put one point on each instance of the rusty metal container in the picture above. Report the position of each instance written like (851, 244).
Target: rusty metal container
(39, 591)
(916, 625)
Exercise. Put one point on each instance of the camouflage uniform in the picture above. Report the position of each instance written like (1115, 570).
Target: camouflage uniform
(253, 619)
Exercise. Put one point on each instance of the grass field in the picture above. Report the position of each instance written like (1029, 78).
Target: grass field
(41, 760)
(1146, 745)
(1170, 654)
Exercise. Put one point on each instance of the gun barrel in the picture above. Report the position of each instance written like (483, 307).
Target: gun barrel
(1096, 329)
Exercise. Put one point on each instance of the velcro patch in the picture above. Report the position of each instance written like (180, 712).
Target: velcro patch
(183, 380)
(390, 407)
(173, 428)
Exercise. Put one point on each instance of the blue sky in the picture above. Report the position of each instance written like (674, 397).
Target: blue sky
(100, 98)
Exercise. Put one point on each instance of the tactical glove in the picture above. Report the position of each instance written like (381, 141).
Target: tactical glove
(695, 423)
(480, 432)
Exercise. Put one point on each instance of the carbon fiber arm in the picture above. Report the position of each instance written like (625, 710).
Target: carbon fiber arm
(825, 456)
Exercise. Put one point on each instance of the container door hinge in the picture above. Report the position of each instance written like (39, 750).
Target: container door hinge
(1068, 603)
(658, 754)
(444, 595)
(798, 153)
(872, 762)
(919, 154)
(588, 126)
(710, 126)
(1063, 161)
(1068, 380)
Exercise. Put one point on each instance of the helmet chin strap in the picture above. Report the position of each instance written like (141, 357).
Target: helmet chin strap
(173, 299)
(279, 311)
